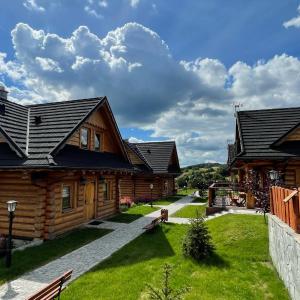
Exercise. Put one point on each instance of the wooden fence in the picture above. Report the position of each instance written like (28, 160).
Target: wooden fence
(285, 205)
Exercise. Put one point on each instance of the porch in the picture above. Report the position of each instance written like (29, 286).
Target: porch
(228, 194)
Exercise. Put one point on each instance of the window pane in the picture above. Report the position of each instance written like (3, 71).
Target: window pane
(66, 197)
(97, 142)
(84, 137)
(106, 191)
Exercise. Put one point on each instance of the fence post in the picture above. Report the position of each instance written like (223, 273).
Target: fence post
(271, 201)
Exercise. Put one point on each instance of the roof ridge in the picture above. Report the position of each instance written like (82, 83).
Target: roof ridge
(154, 142)
(27, 132)
(268, 109)
(13, 102)
(64, 101)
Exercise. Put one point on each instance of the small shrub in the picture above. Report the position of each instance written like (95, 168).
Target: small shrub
(166, 292)
(197, 242)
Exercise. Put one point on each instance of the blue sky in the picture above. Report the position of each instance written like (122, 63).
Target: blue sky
(171, 69)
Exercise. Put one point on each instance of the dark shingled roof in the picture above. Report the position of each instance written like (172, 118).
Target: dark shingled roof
(38, 142)
(231, 153)
(260, 129)
(76, 158)
(157, 156)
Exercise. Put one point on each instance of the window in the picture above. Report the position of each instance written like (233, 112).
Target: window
(106, 191)
(97, 143)
(84, 138)
(66, 197)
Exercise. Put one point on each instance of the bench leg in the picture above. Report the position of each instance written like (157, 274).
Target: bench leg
(60, 289)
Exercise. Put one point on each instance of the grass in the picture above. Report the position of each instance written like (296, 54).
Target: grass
(190, 211)
(133, 214)
(199, 200)
(33, 257)
(168, 200)
(185, 192)
(240, 268)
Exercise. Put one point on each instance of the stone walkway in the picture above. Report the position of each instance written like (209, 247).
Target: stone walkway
(88, 256)
(84, 258)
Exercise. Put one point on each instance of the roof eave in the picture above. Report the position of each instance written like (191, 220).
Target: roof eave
(14, 146)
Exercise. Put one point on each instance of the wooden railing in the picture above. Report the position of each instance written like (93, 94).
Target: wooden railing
(285, 205)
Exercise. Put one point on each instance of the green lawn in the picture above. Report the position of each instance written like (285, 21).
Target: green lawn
(133, 214)
(168, 200)
(199, 200)
(189, 211)
(187, 191)
(31, 258)
(240, 269)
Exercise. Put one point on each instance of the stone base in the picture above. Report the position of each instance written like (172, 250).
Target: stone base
(284, 247)
(214, 209)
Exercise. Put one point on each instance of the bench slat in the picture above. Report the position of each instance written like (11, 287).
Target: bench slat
(53, 289)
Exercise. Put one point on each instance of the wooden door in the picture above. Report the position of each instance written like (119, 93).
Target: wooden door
(90, 200)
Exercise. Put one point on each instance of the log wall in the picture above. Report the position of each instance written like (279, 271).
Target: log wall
(110, 206)
(138, 187)
(29, 216)
(39, 211)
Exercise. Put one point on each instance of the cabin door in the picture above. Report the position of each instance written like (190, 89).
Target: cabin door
(90, 200)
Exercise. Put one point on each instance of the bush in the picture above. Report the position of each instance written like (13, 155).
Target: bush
(166, 292)
(197, 242)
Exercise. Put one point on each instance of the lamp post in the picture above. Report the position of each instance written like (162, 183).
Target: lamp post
(151, 188)
(11, 207)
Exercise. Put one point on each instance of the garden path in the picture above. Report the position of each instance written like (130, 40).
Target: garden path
(83, 259)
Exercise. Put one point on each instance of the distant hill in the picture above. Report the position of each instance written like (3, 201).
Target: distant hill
(203, 166)
(205, 173)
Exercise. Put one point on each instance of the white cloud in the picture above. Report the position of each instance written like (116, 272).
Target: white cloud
(134, 3)
(133, 139)
(91, 11)
(103, 3)
(190, 102)
(48, 64)
(32, 5)
(294, 22)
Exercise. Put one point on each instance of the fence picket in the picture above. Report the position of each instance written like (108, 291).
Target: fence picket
(288, 212)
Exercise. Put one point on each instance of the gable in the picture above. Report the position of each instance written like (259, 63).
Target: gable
(294, 135)
(133, 157)
(2, 138)
(174, 159)
(102, 123)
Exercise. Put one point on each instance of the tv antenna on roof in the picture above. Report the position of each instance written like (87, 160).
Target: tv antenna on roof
(237, 106)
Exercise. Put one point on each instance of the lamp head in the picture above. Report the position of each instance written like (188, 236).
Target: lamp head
(274, 175)
(11, 205)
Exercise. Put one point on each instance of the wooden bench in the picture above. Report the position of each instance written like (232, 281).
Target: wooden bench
(52, 290)
(162, 218)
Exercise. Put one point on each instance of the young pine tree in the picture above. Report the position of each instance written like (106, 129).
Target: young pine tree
(197, 242)
(166, 292)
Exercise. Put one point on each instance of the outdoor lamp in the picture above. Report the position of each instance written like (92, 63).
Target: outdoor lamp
(274, 175)
(11, 205)
(151, 188)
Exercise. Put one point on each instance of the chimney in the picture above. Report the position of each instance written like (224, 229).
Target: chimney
(3, 93)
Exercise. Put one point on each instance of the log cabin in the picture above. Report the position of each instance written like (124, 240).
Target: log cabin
(61, 161)
(265, 140)
(156, 165)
